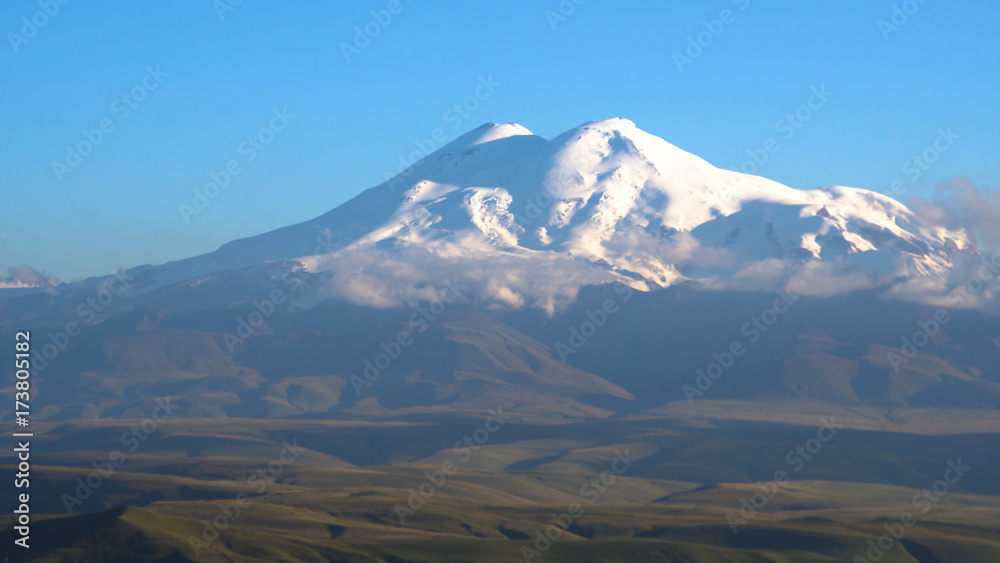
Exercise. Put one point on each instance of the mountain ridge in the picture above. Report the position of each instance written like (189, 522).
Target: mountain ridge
(530, 221)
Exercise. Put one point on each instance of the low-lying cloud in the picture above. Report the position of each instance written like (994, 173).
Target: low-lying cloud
(406, 272)
(960, 204)
(26, 276)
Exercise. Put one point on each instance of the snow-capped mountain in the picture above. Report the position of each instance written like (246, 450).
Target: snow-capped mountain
(533, 229)
(528, 221)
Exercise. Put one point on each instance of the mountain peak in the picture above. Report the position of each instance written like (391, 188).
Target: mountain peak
(612, 123)
(489, 132)
(529, 221)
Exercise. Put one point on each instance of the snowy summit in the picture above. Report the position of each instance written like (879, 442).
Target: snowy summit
(529, 221)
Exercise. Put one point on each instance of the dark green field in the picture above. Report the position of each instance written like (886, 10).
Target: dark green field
(190, 492)
(752, 454)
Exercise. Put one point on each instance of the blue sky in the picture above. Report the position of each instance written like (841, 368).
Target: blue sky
(220, 80)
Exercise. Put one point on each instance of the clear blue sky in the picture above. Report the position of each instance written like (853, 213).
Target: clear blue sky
(353, 120)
